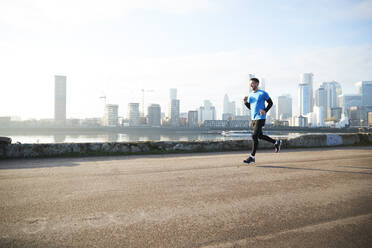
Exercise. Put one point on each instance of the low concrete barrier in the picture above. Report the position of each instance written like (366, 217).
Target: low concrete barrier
(149, 147)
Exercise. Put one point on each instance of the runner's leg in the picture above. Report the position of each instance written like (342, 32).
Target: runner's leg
(262, 136)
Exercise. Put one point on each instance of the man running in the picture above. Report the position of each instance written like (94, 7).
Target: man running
(256, 103)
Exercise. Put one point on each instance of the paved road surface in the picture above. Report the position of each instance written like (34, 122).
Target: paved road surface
(298, 198)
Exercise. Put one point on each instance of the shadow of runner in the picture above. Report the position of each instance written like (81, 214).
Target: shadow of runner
(310, 169)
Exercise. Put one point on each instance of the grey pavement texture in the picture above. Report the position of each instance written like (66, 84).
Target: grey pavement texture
(297, 198)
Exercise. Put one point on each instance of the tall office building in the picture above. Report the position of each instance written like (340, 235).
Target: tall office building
(364, 88)
(284, 107)
(332, 92)
(174, 112)
(226, 104)
(133, 114)
(60, 99)
(348, 100)
(207, 112)
(111, 115)
(308, 78)
(173, 94)
(154, 115)
(304, 98)
(319, 116)
(229, 108)
(192, 119)
(321, 104)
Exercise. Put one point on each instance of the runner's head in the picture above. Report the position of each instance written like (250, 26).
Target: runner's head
(254, 84)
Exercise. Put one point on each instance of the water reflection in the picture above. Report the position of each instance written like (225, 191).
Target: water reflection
(59, 138)
(133, 137)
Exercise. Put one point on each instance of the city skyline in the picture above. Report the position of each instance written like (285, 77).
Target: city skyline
(173, 94)
(118, 48)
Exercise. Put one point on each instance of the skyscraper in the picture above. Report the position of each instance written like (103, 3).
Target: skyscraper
(192, 119)
(133, 114)
(111, 115)
(229, 108)
(304, 98)
(174, 112)
(308, 78)
(348, 100)
(60, 99)
(332, 92)
(173, 94)
(364, 88)
(321, 105)
(226, 103)
(174, 108)
(154, 115)
(207, 112)
(284, 107)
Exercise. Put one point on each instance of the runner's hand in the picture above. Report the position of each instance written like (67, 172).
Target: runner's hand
(262, 112)
(245, 99)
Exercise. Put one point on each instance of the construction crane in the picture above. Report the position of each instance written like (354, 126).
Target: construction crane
(104, 97)
(143, 100)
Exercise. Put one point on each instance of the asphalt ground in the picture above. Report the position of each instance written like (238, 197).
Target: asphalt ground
(297, 198)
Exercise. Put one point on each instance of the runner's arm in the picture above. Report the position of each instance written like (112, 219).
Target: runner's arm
(248, 105)
(269, 105)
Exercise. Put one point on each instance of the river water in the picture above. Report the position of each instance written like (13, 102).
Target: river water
(123, 137)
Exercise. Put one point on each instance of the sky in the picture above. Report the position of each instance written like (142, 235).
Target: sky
(204, 48)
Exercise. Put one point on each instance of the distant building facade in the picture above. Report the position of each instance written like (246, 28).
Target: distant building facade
(308, 78)
(134, 114)
(60, 99)
(111, 115)
(304, 98)
(284, 107)
(154, 115)
(364, 88)
(192, 119)
(332, 93)
(174, 112)
(207, 112)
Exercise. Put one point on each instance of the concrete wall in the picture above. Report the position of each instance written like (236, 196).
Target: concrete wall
(122, 148)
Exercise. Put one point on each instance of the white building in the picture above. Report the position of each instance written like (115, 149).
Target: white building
(192, 119)
(321, 105)
(228, 107)
(172, 94)
(284, 107)
(299, 121)
(60, 99)
(133, 114)
(364, 88)
(319, 116)
(110, 117)
(207, 112)
(304, 98)
(332, 92)
(174, 112)
(154, 115)
(308, 78)
(348, 100)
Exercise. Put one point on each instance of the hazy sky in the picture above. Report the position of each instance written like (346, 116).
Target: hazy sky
(204, 48)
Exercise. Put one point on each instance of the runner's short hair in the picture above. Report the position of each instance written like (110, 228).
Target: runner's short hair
(255, 80)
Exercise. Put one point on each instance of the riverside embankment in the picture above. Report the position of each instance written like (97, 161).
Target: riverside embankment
(8, 151)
